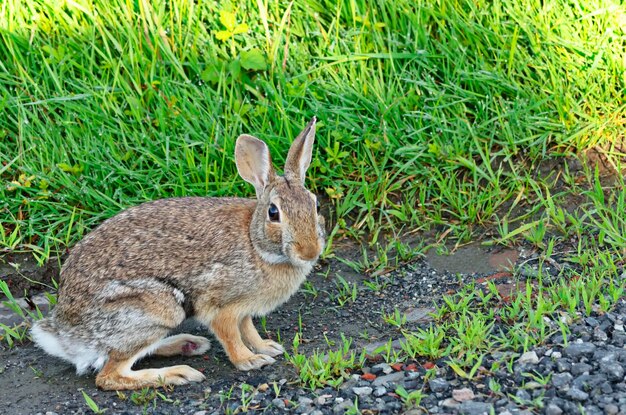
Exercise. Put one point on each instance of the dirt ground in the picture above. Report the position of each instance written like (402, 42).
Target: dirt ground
(32, 382)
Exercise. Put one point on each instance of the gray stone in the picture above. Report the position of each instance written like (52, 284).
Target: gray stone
(553, 409)
(394, 377)
(577, 350)
(611, 409)
(561, 380)
(382, 368)
(380, 391)
(600, 334)
(523, 395)
(343, 406)
(321, 400)
(278, 403)
(438, 385)
(577, 395)
(304, 401)
(530, 358)
(450, 403)
(613, 370)
(592, 410)
(362, 391)
(563, 365)
(475, 408)
(350, 383)
(580, 368)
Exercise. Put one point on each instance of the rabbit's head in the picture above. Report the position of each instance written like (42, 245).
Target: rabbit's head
(286, 226)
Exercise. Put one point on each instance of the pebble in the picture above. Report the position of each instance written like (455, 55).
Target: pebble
(613, 370)
(380, 391)
(438, 385)
(462, 395)
(343, 406)
(278, 403)
(552, 409)
(304, 401)
(561, 380)
(476, 408)
(576, 350)
(611, 409)
(394, 377)
(580, 368)
(450, 403)
(577, 395)
(382, 368)
(530, 358)
(523, 395)
(362, 391)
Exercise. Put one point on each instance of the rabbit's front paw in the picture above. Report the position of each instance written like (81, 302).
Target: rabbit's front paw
(254, 362)
(270, 348)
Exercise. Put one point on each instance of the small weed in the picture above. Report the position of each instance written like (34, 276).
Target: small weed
(347, 292)
(396, 319)
(309, 289)
(147, 396)
(92, 405)
(410, 399)
(325, 369)
(494, 386)
(377, 284)
(472, 361)
(425, 342)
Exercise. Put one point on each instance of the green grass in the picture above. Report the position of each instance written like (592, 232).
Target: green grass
(432, 114)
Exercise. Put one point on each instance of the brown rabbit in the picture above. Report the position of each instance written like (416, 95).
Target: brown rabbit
(138, 275)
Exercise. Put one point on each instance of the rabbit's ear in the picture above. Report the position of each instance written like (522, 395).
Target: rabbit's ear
(254, 163)
(300, 153)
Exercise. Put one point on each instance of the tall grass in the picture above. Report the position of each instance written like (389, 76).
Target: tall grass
(431, 112)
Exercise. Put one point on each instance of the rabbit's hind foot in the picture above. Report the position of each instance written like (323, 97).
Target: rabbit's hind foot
(182, 344)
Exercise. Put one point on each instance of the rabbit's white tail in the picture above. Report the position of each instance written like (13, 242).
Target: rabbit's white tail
(46, 335)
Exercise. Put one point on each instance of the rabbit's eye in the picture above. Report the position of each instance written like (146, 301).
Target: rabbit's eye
(273, 214)
(317, 205)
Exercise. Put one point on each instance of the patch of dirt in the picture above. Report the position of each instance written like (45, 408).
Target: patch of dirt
(24, 276)
(323, 313)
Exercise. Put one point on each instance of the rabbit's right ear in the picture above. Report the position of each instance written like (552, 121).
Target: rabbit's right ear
(253, 162)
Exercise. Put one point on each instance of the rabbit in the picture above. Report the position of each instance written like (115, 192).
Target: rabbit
(138, 275)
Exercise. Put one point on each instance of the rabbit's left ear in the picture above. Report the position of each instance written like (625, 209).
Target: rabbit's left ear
(300, 153)
(254, 163)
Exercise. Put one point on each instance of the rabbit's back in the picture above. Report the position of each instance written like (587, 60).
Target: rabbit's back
(168, 239)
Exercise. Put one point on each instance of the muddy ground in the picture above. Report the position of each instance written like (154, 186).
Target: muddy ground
(32, 382)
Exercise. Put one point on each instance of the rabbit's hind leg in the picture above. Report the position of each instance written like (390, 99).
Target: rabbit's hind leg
(184, 344)
(117, 373)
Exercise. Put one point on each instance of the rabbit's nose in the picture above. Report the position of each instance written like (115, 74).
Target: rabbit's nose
(308, 252)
